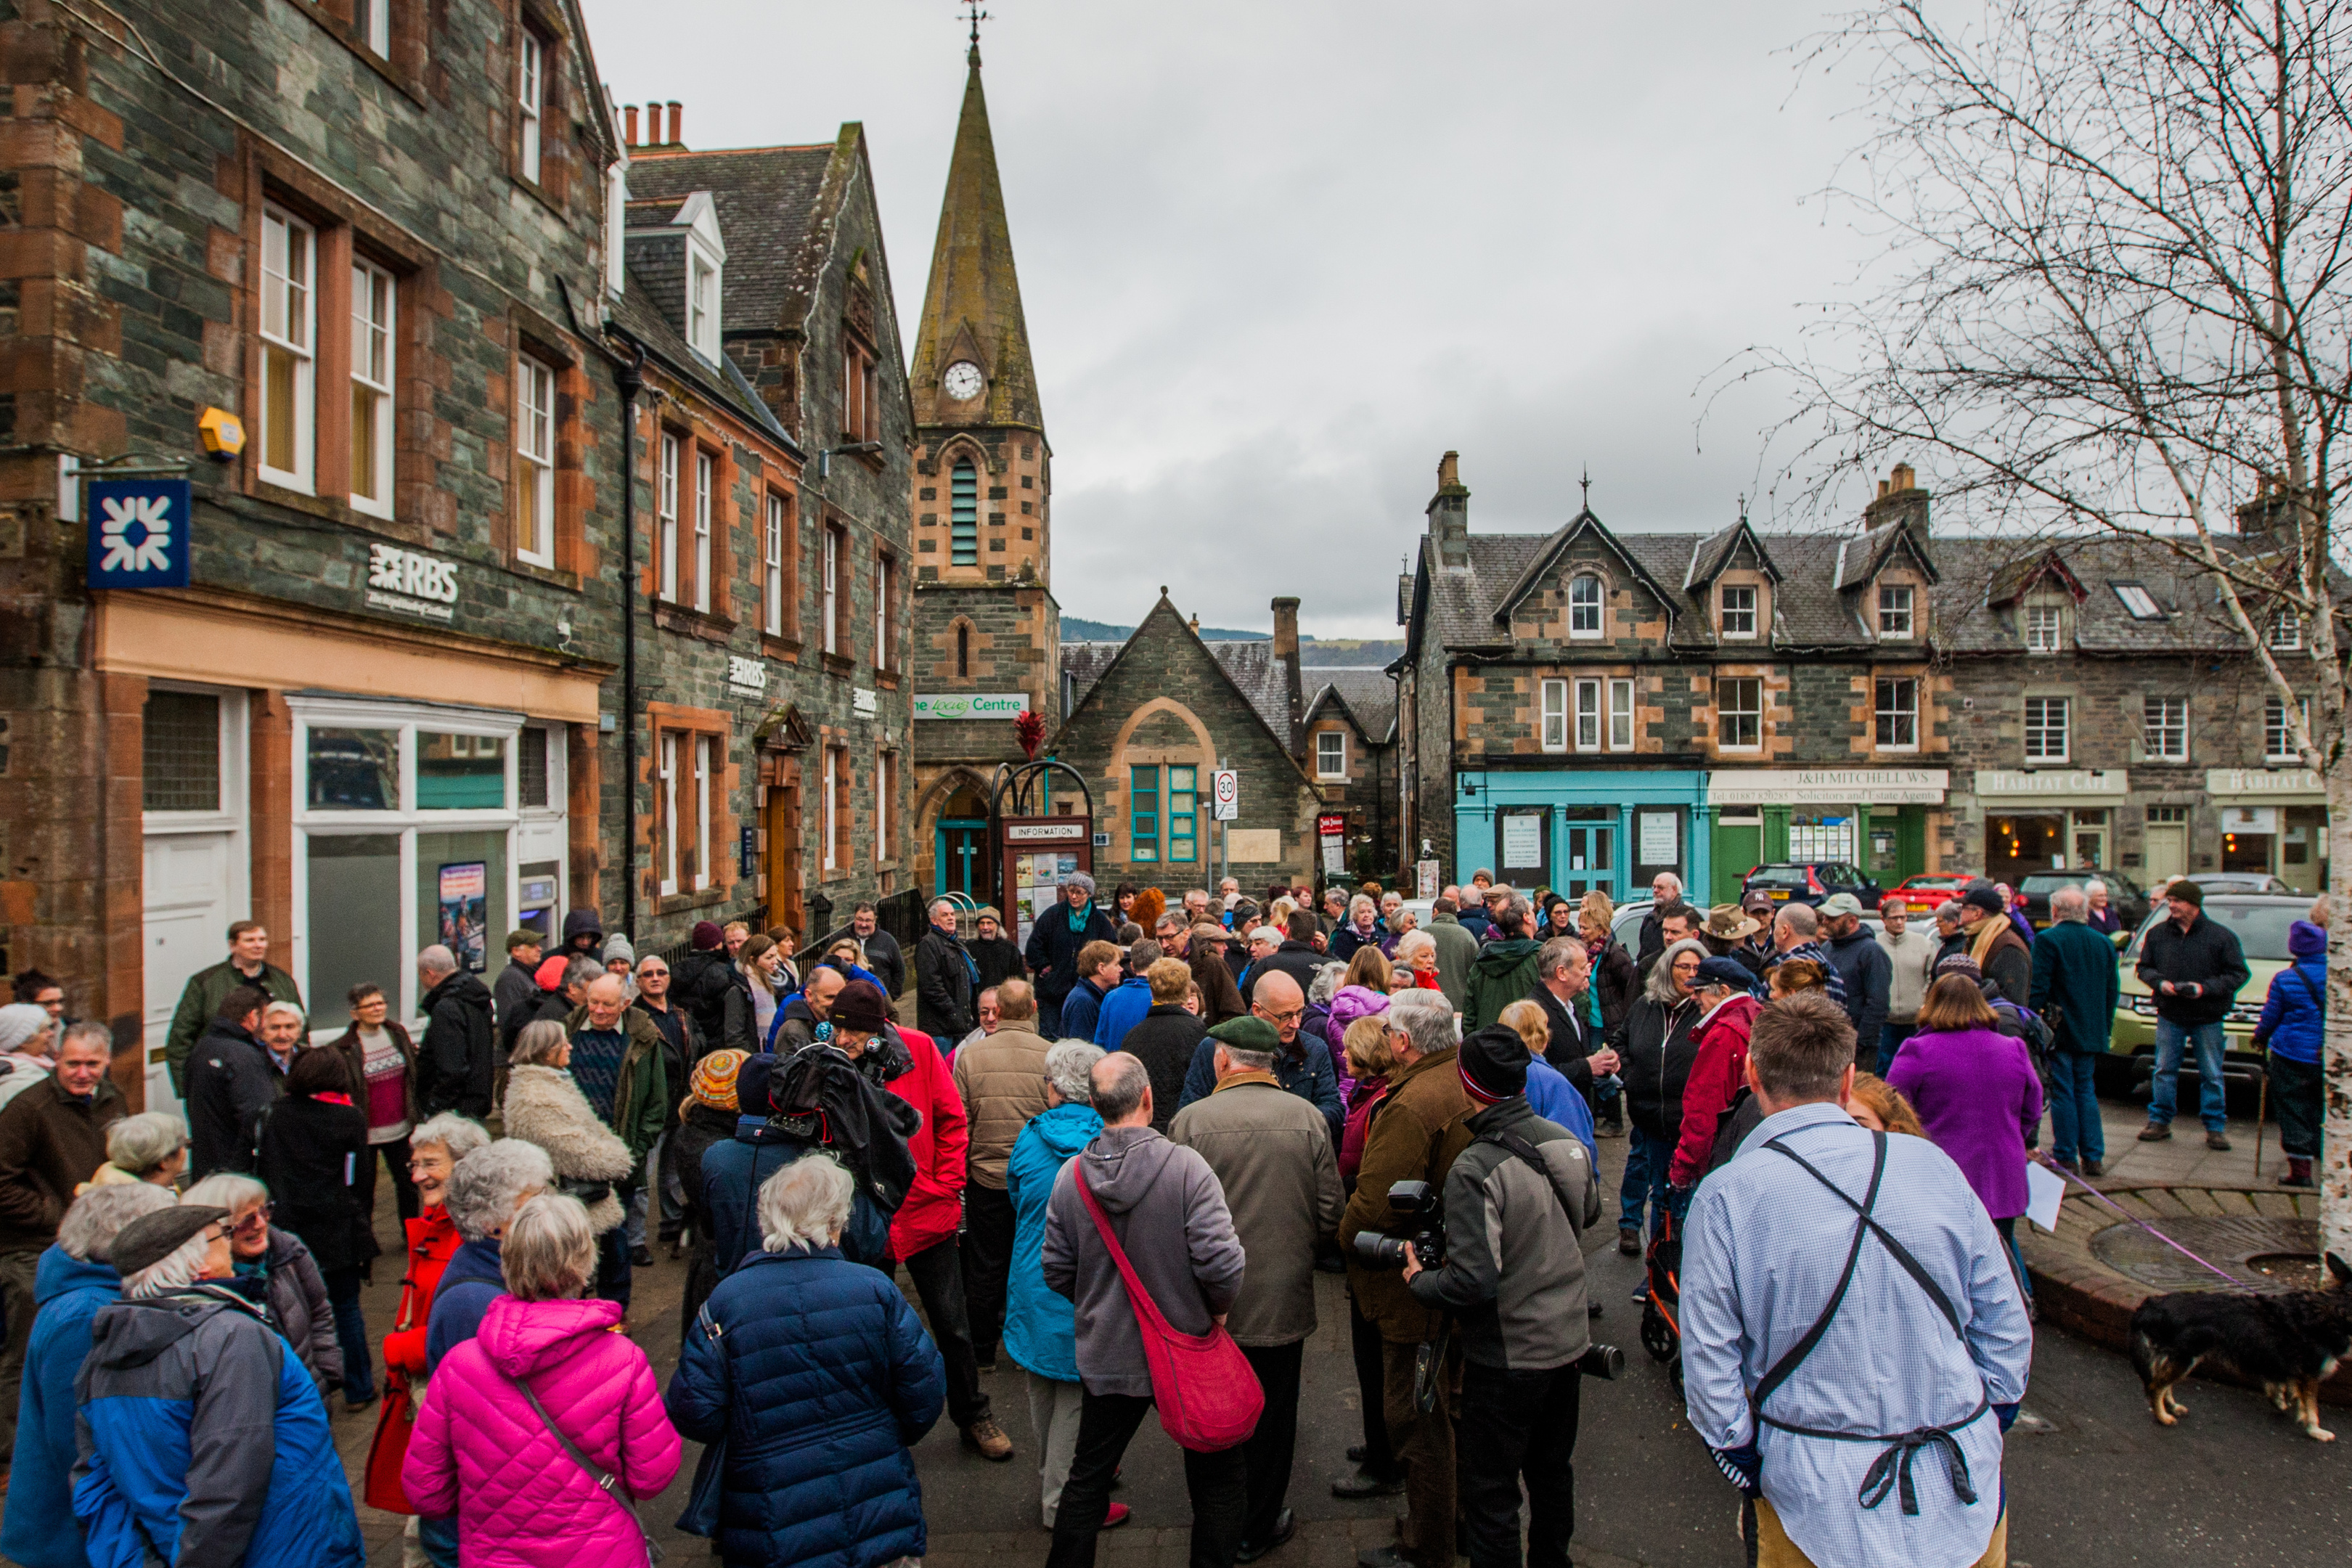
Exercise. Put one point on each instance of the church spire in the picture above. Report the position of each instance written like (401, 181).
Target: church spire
(972, 310)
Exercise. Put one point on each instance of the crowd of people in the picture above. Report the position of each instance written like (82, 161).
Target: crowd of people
(1147, 1126)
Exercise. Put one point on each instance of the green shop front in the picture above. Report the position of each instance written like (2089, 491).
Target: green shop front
(1578, 830)
(1876, 818)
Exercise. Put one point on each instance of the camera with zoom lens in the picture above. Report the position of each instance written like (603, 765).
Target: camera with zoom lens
(1603, 1361)
(1420, 1207)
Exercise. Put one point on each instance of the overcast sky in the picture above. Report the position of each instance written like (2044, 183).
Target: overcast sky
(1278, 254)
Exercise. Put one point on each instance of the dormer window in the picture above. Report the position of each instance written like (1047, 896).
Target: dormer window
(702, 303)
(1584, 606)
(2042, 628)
(1739, 609)
(2286, 631)
(1895, 610)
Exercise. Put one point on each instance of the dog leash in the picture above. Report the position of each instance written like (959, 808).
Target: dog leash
(2111, 1206)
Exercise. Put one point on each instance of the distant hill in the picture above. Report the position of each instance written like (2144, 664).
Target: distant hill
(1314, 652)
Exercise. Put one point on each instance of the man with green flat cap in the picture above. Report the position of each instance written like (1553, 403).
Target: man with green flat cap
(1271, 1151)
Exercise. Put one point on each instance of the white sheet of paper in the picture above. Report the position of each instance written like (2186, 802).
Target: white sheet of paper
(2043, 1190)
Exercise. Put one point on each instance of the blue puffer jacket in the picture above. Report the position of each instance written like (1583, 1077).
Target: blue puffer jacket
(39, 1531)
(2294, 1013)
(475, 1277)
(247, 1477)
(821, 1380)
(732, 1173)
(1039, 1326)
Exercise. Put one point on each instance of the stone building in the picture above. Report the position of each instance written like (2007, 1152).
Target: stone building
(794, 678)
(1351, 747)
(1147, 720)
(371, 717)
(1588, 708)
(986, 626)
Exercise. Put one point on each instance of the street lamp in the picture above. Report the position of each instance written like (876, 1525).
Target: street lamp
(854, 448)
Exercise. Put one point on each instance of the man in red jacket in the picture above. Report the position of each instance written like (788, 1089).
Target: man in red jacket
(1719, 1070)
(923, 1237)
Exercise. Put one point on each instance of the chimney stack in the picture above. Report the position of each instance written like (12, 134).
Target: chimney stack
(1902, 478)
(629, 121)
(1449, 513)
(1285, 653)
(1900, 499)
(676, 123)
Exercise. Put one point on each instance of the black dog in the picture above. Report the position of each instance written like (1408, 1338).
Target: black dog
(2288, 1343)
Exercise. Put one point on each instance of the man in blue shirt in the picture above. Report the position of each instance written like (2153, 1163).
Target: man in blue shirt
(1127, 1001)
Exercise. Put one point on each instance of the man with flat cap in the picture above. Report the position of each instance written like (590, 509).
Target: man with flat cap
(1271, 1151)
(198, 1425)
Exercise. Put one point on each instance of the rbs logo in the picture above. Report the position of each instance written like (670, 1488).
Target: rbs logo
(404, 572)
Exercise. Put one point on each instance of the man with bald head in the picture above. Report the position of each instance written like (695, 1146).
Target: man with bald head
(804, 1012)
(1303, 1065)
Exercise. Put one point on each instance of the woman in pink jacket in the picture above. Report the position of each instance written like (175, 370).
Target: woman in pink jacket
(482, 1452)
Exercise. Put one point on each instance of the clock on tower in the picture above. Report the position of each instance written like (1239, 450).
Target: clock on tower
(962, 381)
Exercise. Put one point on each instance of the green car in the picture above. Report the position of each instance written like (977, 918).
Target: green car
(2260, 921)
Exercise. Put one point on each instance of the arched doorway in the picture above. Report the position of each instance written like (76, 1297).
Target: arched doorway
(959, 848)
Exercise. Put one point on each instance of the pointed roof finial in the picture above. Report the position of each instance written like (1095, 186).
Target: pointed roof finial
(1587, 482)
(978, 16)
(1743, 509)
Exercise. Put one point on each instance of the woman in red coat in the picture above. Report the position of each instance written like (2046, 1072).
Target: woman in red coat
(433, 1150)
(1720, 1071)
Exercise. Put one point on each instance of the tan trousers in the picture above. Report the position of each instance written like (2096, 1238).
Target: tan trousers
(1774, 1549)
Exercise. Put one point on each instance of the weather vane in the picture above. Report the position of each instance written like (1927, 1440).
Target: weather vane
(978, 16)
(1587, 482)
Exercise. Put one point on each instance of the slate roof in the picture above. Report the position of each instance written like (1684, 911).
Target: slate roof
(767, 200)
(1252, 667)
(636, 316)
(1255, 673)
(1810, 611)
(1368, 695)
(1084, 663)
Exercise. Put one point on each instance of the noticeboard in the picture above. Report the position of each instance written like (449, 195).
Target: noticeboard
(1039, 852)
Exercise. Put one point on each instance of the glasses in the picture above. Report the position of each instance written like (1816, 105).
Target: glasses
(653, 974)
(1287, 1015)
(257, 1219)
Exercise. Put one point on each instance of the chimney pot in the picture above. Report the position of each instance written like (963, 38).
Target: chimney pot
(676, 123)
(629, 120)
(1449, 469)
(1902, 477)
(1883, 488)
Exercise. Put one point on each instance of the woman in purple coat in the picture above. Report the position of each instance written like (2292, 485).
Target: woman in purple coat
(1977, 1092)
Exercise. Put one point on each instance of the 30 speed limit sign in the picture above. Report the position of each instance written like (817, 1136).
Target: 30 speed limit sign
(1225, 791)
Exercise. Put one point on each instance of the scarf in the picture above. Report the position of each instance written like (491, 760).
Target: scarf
(1987, 936)
(1080, 914)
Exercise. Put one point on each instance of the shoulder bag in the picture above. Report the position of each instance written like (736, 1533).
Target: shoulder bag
(1207, 1394)
(609, 1485)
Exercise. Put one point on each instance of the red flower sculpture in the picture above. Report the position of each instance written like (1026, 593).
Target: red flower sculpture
(1029, 729)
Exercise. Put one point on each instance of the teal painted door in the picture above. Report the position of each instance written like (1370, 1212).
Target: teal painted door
(962, 858)
(1589, 860)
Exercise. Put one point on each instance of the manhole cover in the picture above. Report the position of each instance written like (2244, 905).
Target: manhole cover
(2247, 1246)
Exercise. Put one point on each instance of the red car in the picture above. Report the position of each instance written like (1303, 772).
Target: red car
(1929, 889)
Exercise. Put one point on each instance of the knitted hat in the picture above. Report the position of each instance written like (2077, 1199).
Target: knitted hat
(549, 973)
(2304, 940)
(523, 936)
(1494, 1064)
(152, 1237)
(987, 912)
(617, 946)
(861, 1007)
(1958, 963)
(715, 1076)
(751, 1080)
(1247, 1033)
(2187, 892)
(1986, 899)
(706, 935)
(19, 1022)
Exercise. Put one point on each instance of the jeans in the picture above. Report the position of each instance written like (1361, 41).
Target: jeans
(2075, 1130)
(2296, 1094)
(1049, 1017)
(439, 1539)
(1424, 1444)
(1515, 1424)
(1890, 1040)
(1644, 1186)
(351, 1333)
(1053, 1410)
(987, 1250)
(1217, 1483)
(2172, 1040)
(937, 1275)
(1269, 1451)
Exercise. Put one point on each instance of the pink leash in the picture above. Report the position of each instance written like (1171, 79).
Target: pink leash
(2117, 1208)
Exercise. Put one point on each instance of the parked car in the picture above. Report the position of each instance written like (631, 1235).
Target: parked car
(2260, 921)
(1925, 889)
(2240, 882)
(1810, 881)
(2127, 898)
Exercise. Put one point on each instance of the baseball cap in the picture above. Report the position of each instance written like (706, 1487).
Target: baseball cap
(1841, 904)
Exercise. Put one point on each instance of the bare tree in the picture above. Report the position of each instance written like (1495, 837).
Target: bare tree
(2115, 298)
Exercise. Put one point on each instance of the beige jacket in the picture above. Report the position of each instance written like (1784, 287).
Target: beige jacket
(1271, 1152)
(1001, 1078)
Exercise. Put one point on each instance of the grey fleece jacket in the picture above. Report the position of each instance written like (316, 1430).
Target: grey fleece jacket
(1169, 1213)
(1514, 1275)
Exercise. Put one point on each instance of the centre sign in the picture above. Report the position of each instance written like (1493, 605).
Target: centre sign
(971, 705)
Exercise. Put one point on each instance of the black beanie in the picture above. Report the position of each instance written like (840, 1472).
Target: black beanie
(1494, 1064)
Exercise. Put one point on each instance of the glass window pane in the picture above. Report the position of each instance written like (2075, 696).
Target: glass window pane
(461, 893)
(460, 772)
(354, 930)
(355, 770)
(181, 746)
(530, 766)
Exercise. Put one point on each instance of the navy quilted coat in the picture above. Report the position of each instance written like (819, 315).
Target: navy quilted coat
(818, 1376)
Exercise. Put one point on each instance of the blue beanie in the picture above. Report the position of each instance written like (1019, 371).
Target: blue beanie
(2304, 940)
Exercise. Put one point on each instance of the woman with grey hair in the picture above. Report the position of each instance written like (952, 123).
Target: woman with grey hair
(74, 1280)
(516, 1409)
(1055, 939)
(822, 1379)
(545, 1106)
(435, 1147)
(150, 1147)
(28, 1046)
(1656, 1053)
(292, 1283)
(1040, 1329)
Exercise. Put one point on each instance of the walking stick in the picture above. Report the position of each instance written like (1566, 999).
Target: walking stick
(2262, 1114)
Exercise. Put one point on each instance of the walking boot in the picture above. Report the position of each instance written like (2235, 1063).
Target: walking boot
(1628, 1241)
(2155, 1132)
(986, 1436)
(2298, 1174)
(2219, 1141)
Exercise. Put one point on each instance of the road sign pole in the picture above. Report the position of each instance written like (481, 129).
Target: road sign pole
(1225, 839)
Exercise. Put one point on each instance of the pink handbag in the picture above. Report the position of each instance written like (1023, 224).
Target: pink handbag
(1207, 1394)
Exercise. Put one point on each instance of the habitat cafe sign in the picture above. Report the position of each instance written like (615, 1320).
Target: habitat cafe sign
(1827, 786)
(971, 704)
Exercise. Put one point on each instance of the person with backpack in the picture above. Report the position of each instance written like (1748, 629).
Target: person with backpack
(1977, 1092)
(2076, 986)
(2295, 1027)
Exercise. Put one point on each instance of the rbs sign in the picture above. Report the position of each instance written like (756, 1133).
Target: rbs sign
(138, 534)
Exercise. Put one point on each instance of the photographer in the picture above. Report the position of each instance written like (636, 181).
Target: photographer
(1414, 1138)
(1513, 1277)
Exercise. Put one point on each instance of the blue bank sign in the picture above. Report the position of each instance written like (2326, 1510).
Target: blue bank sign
(138, 534)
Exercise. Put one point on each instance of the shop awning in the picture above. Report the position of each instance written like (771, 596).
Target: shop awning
(2265, 786)
(1827, 786)
(2017, 788)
